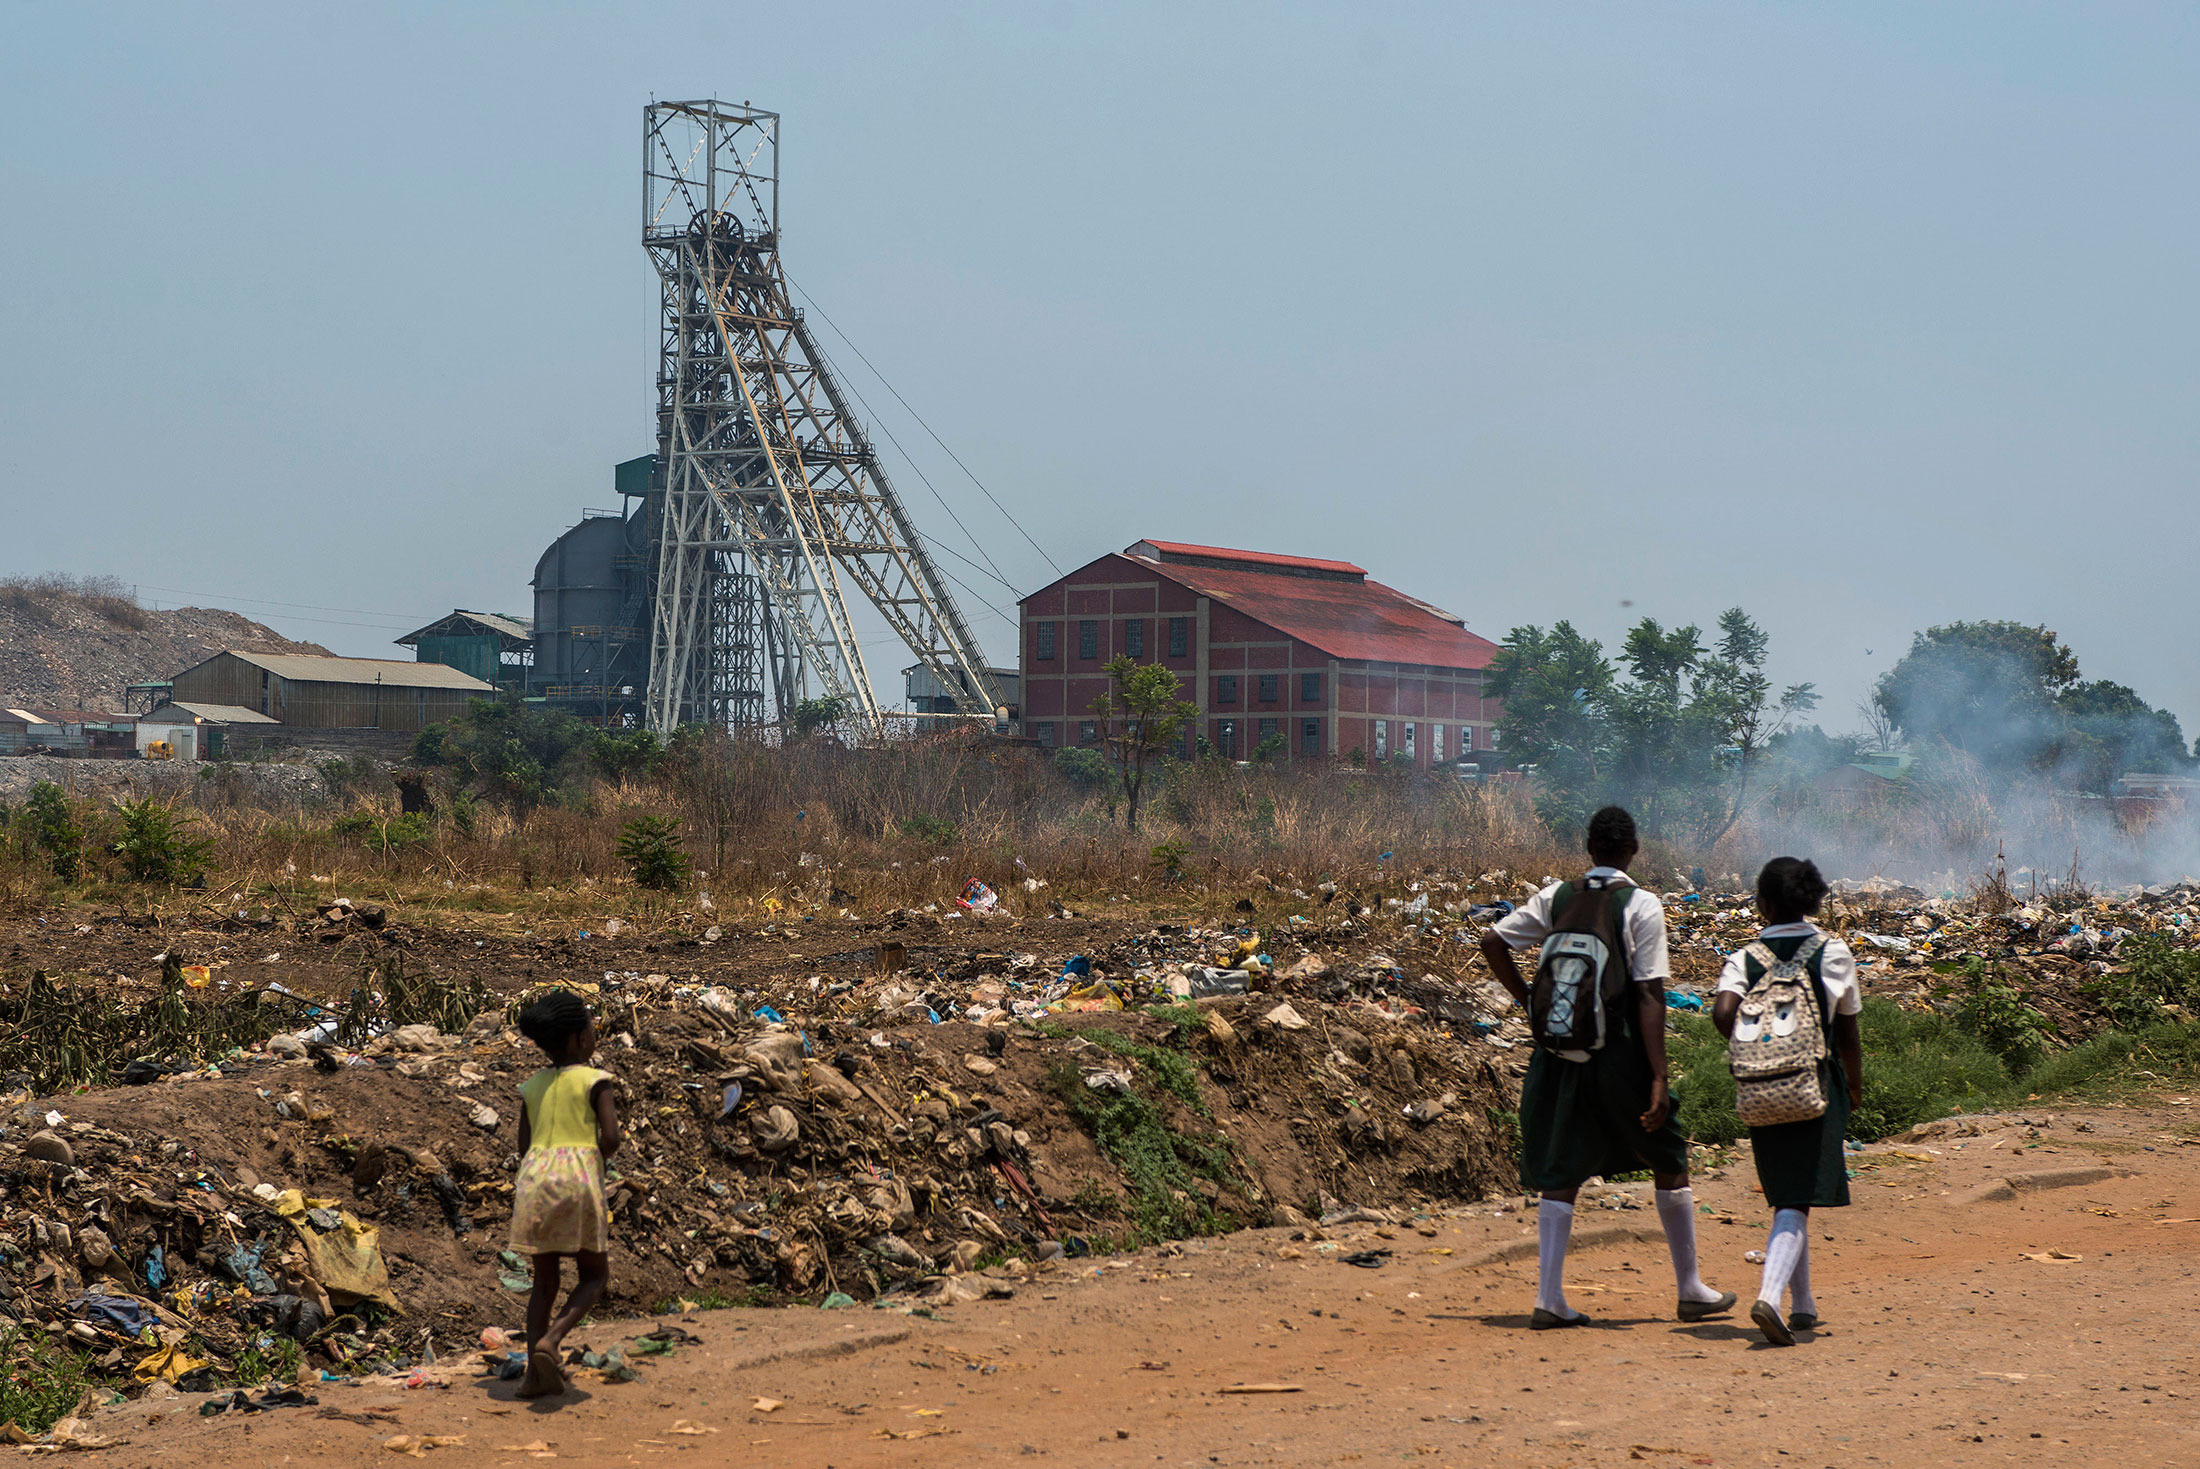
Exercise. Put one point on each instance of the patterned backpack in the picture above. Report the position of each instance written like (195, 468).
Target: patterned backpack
(1779, 1039)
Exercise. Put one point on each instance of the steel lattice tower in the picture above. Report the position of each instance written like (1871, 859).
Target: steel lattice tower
(771, 495)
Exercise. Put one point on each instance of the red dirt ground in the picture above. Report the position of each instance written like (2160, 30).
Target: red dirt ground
(1947, 1342)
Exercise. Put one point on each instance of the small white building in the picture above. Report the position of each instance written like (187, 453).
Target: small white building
(194, 731)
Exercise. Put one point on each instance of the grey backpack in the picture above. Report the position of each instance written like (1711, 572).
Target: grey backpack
(1779, 1039)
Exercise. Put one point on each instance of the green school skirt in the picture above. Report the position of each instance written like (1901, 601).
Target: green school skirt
(1802, 1165)
(1582, 1119)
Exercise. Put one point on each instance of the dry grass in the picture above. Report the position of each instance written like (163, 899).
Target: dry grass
(35, 599)
(816, 826)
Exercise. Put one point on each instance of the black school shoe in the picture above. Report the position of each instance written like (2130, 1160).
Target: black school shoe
(1694, 1311)
(1768, 1319)
(1543, 1320)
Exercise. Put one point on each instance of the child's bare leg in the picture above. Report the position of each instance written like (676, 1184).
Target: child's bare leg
(541, 1303)
(593, 1271)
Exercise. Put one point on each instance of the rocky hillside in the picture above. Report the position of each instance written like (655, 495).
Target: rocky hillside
(73, 643)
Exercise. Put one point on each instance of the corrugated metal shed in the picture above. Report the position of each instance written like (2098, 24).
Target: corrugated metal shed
(389, 672)
(331, 693)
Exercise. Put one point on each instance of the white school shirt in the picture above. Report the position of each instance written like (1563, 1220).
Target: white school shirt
(1644, 936)
(1836, 967)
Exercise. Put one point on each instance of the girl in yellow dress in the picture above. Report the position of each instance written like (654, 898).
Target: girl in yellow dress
(568, 1127)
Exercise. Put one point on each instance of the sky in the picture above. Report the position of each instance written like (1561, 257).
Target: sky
(1861, 317)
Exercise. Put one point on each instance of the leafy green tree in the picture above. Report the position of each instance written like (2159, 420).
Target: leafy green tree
(1140, 718)
(1740, 699)
(622, 753)
(1987, 688)
(1555, 686)
(156, 844)
(1085, 769)
(519, 753)
(1676, 732)
(2109, 729)
(650, 847)
(813, 715)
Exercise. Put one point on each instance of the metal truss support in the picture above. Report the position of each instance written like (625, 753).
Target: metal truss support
(773, 496)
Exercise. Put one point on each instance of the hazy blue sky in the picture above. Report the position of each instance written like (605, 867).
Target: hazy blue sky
(1862, 317)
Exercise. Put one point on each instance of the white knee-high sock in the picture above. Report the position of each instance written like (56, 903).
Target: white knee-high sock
(1677, 1212)
(1782, 1251)
(1799, 1296)
(1554, 1228)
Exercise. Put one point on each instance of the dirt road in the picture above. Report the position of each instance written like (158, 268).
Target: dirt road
(2022, 1294)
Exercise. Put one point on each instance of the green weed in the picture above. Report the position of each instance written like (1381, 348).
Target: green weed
(41, 1380)
(1162, 1166)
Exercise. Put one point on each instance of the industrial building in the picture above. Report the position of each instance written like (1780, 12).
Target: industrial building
(592, 608)
(331, 693)
(925, 694)
(196, 731)
(1306, 656)
(493, 648)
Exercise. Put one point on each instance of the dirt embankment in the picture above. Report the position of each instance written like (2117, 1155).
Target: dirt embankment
(800, 1123)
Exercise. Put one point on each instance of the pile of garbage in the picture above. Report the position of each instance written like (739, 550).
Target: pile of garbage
(882, 1140)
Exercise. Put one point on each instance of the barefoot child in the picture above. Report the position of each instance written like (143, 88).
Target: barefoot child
(568, 1127)
(1799, 1164)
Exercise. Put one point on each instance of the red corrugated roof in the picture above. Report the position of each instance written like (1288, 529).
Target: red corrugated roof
(1257, 558)
(1345, 619)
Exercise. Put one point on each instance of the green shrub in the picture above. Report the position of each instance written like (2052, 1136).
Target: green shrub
(1085, 769)
(377, 834)
(1168, 857)
(156, 844)
(1916, 1068)
(2154, 972)
(619, 754)
(650, 847)
(2001, 1014)
(54, 830)
(41, 1379)
(935, 830)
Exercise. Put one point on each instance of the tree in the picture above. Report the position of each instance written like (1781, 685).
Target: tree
(1987, 688)
(1554, 686)
(2109, 729)
(1140, 717)
(1677, 738)
(1738, 698)
(812, 715)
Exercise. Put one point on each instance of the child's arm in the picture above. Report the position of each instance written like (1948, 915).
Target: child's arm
(1848, 1038)
(526, 1132)
(608, 1136)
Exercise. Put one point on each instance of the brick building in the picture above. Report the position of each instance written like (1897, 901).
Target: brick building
(1294, 647)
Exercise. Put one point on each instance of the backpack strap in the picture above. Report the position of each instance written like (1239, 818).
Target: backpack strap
(1757, 953)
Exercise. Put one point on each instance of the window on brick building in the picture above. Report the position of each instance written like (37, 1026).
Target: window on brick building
(1088, 732)
(1226, 689)
(1310, 737)
(1088, 639)
(1045, 730)
(1269, 731)
(1436, 744)
(1179, 636)
(1269, 687)
(1382, 739)
(1134, 637)
(1405, 745)
(1226, 739)
(1043, 652)
(1310, 688)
